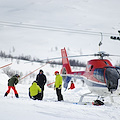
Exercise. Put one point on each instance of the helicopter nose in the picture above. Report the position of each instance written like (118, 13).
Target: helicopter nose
(112, 85)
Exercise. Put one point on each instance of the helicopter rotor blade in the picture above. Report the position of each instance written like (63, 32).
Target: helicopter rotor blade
(115, 55)
(101, 55)
(67, 57)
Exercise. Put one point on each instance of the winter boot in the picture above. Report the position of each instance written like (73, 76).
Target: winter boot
(5, 94)
(16, 95)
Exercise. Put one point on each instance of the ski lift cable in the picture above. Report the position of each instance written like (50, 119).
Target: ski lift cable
(59, 29)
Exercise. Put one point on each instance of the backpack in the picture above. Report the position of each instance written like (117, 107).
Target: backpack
(97, 102)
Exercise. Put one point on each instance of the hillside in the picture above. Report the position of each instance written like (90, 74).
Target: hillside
(41, 28)
(38, 28)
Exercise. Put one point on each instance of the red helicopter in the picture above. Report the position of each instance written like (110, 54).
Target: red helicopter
(101, 77)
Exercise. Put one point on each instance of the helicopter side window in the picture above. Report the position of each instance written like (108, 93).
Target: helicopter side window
(99, 74)
(106, 63)
(91, 67)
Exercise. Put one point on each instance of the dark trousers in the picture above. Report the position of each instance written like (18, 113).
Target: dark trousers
(36, 97)
(59, 95)
(42, 92)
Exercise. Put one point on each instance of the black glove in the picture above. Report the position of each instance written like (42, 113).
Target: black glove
(54, 87)
(59, 87)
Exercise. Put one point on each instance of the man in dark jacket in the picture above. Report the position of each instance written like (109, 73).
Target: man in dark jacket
(11, 84)
(41, 81)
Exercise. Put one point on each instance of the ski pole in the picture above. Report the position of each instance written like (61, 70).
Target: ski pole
(5, 65)
(34, 71)
(50, 83)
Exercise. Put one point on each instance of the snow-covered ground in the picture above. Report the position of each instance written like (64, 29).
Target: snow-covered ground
(24, 108)
(41, 28)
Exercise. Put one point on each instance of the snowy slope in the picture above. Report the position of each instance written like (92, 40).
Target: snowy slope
(24, 108)
(84, 15)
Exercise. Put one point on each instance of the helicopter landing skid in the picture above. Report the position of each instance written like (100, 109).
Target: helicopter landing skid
(86, 94)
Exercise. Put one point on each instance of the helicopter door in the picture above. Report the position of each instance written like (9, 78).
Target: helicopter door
(111, 76)
(99, 74)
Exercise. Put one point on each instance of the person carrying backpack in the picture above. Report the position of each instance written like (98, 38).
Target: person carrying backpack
(11, 84)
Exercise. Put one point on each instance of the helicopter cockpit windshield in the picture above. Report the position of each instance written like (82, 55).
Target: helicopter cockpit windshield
(118, 69)
(112, 75)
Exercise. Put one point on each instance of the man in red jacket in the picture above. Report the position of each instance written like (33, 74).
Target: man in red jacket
(72, 86)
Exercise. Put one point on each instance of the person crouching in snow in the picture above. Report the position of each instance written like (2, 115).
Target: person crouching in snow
(72, 85)
(11, 84)
(58, 85)
(35, 91)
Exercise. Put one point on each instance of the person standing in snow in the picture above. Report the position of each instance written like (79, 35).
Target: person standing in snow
(41, 81)
(35, 91)
(58, 85)
(72, 85)
(11, 84)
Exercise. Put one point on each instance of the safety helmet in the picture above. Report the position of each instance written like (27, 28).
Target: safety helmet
(17, 75)
(34, 81)
(56, 72)
(41, 71)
